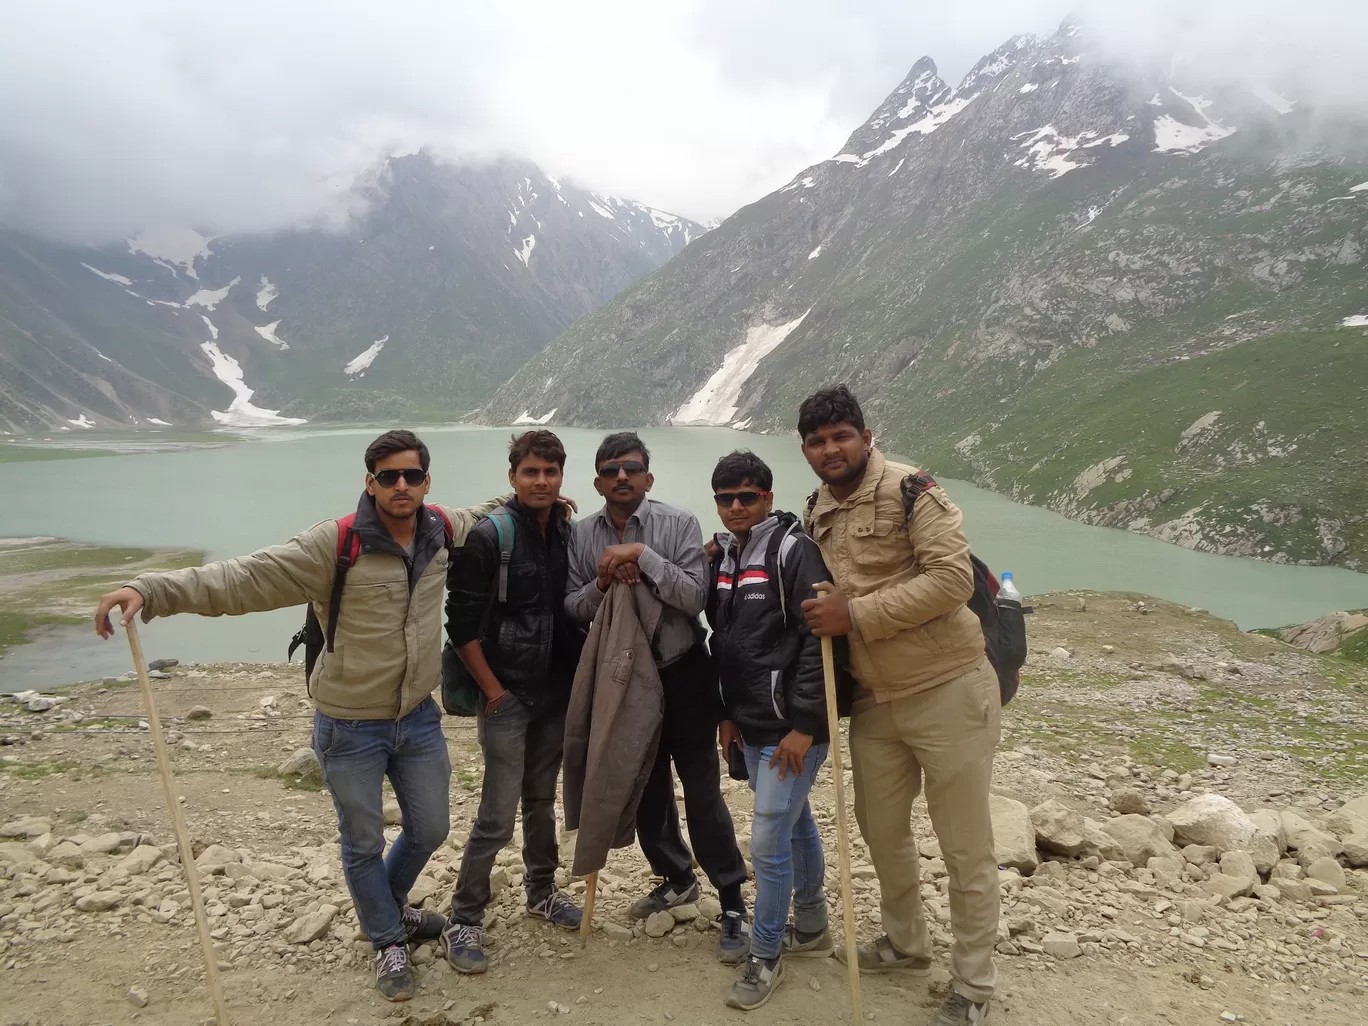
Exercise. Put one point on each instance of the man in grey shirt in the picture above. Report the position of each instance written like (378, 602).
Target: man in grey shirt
(658, 549)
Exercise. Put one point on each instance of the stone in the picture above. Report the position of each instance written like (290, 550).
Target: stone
(1061, 653)
(312, 926)
(215, 857)
(138, 997)
(1302, 834)
(1294, 890)
(394, 816)
(67, 854)
(1222, 760)
(709, 908)
(1327, 870)
(200, 712)
(1140, 838)
(1166, 868)
(1321, 889)
(302, 763)
(1267, 892)
(1129, 802)
(684, 913)
(1058, 828)
(140, 860)
(1100, 844)
(1263, 849)
(658, 924)
(100, 901)
(1344, 823)
(1356, 806)
(1061, 945)
(102, 845)
(1211, 819)
(617, 931)
(1200, 854)
(162, 664)
(423, 888)
(1237, 877)
(1356, 850)
(26, 827)
(1013, 834)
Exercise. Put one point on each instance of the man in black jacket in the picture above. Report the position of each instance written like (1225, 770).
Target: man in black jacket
(770, 670)
(522, 651)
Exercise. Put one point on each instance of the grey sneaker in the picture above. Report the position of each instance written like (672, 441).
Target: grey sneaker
(463, 947)
(958, 1010)
(883, 957)
(760, 980)
(733, 946)
(557, 908)
(421, 926)
(393, 974)
(665, 896)
(797, 944)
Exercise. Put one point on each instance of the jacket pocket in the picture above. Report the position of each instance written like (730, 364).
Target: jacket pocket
(881, 549)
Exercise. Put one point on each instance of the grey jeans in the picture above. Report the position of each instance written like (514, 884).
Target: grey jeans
(522, 758)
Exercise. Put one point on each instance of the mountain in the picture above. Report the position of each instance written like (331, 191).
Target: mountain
(1134, 296)
(444, 280)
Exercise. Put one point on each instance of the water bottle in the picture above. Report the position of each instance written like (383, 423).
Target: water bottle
(1007, 589)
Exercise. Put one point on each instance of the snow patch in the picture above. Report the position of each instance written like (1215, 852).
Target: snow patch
(102, 355)
(82, 422)
(1199, 427)
(241, 412)
(213, 330)
(1173, 136)
(525, 252)
(602, 211)
(1278, 103)
(172, 248)
(898, 168)
(925, 125)
(716, 402)
(1029, 87)
(1361, 187)
(106, 275)
(365, 359)
(158, 422)
(268, 332)
(268, 292)
(210, 298)
(741, 425)
(526, 418)
(815, 253)
(1356, 321)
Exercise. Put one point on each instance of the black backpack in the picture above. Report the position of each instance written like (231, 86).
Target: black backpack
(1002, 619)
(461, 696)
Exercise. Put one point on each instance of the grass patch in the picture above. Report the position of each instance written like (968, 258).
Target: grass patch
(42, 453)
(288, 780)
(39, 769)
(468, 779)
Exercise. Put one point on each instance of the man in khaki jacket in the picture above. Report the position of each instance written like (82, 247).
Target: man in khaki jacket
(927, 703)
(372, 687)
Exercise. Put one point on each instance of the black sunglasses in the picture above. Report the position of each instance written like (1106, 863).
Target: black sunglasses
(631, 466)
(747, 499)
(390, 478)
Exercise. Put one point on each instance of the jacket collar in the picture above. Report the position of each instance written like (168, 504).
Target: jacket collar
(641, 515)
(759, 537)
(558, 524)
(865, 493)
(375, 536)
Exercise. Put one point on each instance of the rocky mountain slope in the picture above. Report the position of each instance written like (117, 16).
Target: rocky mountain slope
(1135, 297)
(444, 281)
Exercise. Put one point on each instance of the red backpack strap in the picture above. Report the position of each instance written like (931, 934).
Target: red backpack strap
(446, 523)
(348, 548)
(345, 531)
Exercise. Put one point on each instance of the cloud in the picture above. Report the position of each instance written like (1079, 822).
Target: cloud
(250, 115)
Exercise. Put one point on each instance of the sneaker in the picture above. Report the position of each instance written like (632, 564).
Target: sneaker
(958, 1010)
(797, 944)
(883, 957)
(734, 944)
(394, 974)
(557, 908)
(757, 983)
(463, 947)
(665, 896)
(421, 926)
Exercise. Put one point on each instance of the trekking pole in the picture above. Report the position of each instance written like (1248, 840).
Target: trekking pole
(590, 893)
(178, 822)
(842, 832)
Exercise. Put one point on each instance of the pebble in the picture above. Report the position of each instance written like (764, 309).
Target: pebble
(138, 996)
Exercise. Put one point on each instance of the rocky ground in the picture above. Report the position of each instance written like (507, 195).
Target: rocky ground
(1181, 813)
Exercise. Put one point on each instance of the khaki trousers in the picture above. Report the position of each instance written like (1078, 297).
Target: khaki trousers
(947, 735)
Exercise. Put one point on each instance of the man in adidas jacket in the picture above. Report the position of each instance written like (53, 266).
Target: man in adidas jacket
(769, 666)
(375, 716)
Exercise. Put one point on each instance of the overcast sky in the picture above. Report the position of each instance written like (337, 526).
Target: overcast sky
(247, 115)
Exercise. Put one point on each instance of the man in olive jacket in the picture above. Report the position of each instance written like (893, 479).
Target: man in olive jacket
(927, 704)
(375, 716)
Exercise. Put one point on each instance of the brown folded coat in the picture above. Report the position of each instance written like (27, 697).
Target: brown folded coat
(612, 728)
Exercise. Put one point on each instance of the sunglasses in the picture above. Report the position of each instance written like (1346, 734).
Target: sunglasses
(747, 499)
(631, 466)
(389, 478)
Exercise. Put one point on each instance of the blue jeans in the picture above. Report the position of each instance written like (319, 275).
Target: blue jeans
(356, 756)
(786, 850)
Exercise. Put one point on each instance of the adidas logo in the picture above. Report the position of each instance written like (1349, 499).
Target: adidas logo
(753, 595)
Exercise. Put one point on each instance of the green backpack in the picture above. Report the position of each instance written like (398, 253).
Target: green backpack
(461, 696)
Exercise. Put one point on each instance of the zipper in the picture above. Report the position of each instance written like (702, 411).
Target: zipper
(774, 700)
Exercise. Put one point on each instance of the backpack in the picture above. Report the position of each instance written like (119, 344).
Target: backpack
(312, 635)
(1003, 620)
(461, 696)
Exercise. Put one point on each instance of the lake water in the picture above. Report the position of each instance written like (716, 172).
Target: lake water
(239, 497)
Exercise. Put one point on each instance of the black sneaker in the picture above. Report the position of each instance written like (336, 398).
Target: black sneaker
(665, 896)
(557, 908)
(421, 926)
(760, 980)
(958, 1010)
(734, 944)
(394, 974)
(463, 947)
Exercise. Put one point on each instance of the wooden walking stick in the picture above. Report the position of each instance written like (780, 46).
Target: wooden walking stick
(187, 859)
(842, 832)
(591, 892)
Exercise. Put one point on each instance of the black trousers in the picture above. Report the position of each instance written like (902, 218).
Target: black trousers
(688, 739)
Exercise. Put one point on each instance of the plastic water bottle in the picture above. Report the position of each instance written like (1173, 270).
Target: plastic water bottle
(1007, 589)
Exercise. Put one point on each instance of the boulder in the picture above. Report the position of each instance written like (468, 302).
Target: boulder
(1327, 870)
(1140, 838)
(1356, 806)
(1313, 853)
(140, 859)
(394, 816)
(1263, 849)
(1356, 850)
(1211, 819)
(199, 712)
(1061, 945)
(1127, 801)
(658, 924)
(1294, 890)
(684, 913)
(1058, 828)
(1200, 854)
(1013, 835)
(1343, 822)
(1237, 877)
(1268, 821)
(1096, 841)
(215, 857)
(67, 854)
(302, 763)
(709, 908)
(1302, 834)
(102, 845)
(312, 926)
(26, 827)
(100, 901)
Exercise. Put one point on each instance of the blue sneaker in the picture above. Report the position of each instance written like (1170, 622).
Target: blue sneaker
(557, 908)
(734, 944)
(463, 947)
